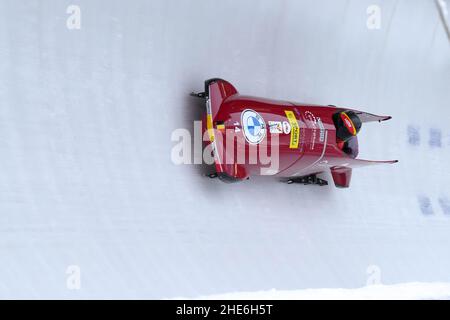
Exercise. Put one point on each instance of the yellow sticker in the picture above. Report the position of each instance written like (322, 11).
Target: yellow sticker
(209, 127)
(220, 127)
(295, 129)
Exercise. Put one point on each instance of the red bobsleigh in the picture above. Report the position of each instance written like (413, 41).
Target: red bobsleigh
(251, 136)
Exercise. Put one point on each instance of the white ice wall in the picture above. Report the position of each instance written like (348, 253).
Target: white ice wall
(86, 176)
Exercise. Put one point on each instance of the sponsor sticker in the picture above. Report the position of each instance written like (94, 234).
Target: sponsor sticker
(275, 127)
(322, 130)
(317, 127)
(295, 129)
(209, 126)
(253, 126)
(209, 121)
(286, 127)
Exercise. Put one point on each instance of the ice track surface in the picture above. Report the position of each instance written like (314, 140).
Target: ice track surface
(86, 177)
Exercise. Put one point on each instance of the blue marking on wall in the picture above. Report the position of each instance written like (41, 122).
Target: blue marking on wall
(435, 138)
(444, 202)
(413, 135)
(425, 205)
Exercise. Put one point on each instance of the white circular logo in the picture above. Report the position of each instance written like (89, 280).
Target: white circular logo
(286, 127)
(254, 126)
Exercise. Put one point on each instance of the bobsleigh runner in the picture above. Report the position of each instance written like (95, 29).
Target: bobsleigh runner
(251, 136)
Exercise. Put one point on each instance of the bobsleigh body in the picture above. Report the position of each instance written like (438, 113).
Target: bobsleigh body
(251, 136)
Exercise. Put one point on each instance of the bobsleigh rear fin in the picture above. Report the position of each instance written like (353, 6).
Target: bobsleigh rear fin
(343, 174)
(356, 163)
(365, 116)
(375, 162)
(369, 117)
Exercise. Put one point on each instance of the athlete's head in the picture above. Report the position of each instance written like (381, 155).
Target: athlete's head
(347, 124)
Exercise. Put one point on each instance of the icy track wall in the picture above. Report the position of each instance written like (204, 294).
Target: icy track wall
(91, 205)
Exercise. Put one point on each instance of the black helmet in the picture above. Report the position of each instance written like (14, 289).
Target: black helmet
(347, 124)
